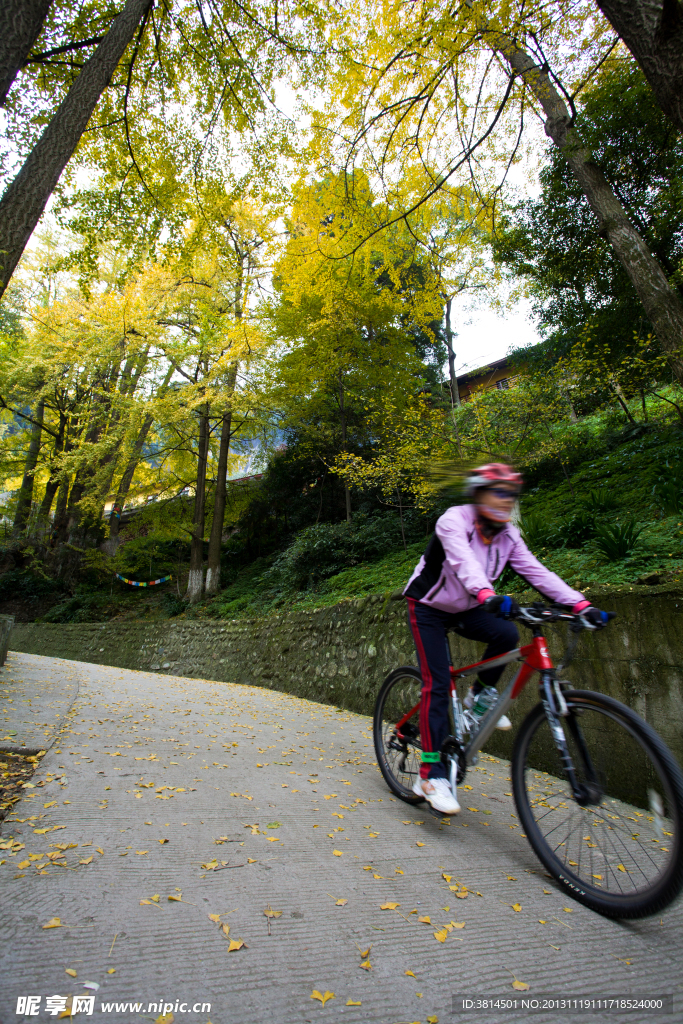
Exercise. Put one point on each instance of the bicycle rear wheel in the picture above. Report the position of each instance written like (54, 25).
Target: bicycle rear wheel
(618, 850)
(398, 749)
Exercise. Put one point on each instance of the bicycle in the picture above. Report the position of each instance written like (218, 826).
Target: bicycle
(598, 794)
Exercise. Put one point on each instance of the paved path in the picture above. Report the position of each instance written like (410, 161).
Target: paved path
(231, 800)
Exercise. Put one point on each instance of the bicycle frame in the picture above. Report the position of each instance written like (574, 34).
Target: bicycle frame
(535, 658)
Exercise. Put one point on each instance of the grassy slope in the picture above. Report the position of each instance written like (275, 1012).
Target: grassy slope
(629, 467)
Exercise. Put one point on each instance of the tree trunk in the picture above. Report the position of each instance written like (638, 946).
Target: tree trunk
(59, 526)
(660, 301)
(133, 462)
(24, 200)
(213, 572)
(51, 489)
(653, 32)
(53, 482)
(128, 474)
(20, 25)
(455, 394)
(196, 576)
(26, 492)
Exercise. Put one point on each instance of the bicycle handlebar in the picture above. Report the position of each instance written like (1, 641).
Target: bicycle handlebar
(537, 613)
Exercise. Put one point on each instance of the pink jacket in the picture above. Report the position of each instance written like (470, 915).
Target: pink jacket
(457, 565)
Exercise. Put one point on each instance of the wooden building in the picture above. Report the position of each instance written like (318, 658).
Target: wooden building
(498, 375)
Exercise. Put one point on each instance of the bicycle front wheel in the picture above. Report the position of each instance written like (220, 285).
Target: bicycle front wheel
(617, 848)
(398, 746)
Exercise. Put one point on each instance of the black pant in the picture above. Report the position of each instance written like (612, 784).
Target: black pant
(428, 626)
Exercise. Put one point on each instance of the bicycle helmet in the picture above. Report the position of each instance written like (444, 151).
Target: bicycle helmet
(491, 474)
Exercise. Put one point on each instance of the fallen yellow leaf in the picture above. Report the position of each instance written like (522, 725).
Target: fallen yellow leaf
(52, 803)
(621, 868)
(175, 899)
(441, 936)
(322, 996)
(216, 918)
(251, 860)
(366, 965)
(337, 853)
(516, 907)
(447, 877)
(141, 853)
(54, 922)
(389, 906)
(378, 876)
(353, 1002)
(236, 944)
(70, 971)
(86, 860)
(419, 844)
(410, 974)
(432, 1020)
(425, 920)
(458, 924)
(24, 864)
(269, 912)
(341, 903)
(100, 850)
(511, 879)
(540, 921)
(165, 1018)
(521, 986)
(112, 970)
(225, 928)
(156, 897)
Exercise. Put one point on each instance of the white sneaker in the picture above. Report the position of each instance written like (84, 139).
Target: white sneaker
(438, 793)
(478, 706)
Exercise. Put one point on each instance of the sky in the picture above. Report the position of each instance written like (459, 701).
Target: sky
(484, 335)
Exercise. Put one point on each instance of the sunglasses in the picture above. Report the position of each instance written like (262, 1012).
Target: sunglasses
(500, 493)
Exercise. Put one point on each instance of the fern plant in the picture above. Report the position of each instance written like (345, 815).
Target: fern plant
(617, 540)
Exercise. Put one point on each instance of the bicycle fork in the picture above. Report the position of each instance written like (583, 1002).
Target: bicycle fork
(555, 708)
(460, 727)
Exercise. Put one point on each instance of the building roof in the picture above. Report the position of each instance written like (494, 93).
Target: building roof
(495, 364)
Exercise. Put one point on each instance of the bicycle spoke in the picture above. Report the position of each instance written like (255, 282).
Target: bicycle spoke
(613, 846)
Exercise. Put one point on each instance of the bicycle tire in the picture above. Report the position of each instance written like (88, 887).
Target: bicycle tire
(622, 741)
(393, 701)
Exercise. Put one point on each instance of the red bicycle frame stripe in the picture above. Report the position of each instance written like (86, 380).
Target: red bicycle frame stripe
(426, 696)
(534, 655)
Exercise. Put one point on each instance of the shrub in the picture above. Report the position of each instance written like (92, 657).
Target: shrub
(80, 608)
(327, 549)
(577, 529)
(172, 604)
(539, 533)
(669, 490)
(602, 499)
(27, 585)
(617, 540)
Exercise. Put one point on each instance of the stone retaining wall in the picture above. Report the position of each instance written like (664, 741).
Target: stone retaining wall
(339, 655)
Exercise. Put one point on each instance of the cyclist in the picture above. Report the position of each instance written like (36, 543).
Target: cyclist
(452, 587)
